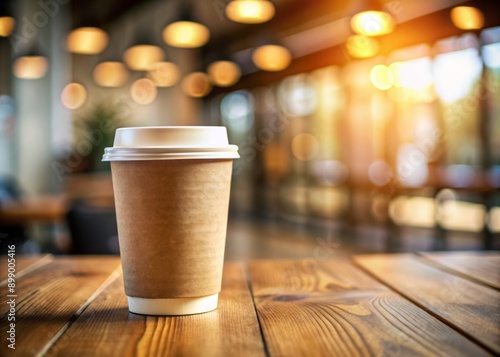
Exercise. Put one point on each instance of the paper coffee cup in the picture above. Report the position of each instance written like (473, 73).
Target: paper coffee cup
(171, 189)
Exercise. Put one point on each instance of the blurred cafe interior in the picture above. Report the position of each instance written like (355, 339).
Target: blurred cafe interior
(363, 125)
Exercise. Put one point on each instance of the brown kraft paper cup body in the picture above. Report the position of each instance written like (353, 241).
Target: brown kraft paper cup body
(172, 219)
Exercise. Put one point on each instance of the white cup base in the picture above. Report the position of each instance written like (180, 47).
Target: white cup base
(172, 307)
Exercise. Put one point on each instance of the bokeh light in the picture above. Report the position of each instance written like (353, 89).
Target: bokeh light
(491, 55)
(331, 172)
(7, 25)
(30, 67)
(250, 11)
(413, 211)
(299, 97)
(360, 46)
(142, 57)
(372, 23)
(87, 40)
(327, 201)
(186, 34)
(412, 165)
(494, 219)
(272, 58)
(463, 216)
(143, 91)
(196, 85)
(380, 173)
(456, 73)
(305, 146)
(73, 95)
(224, 73)
(413, 74)
(164, 74)
(467, 17)
(237, 111)
(111, 74)
(381, 77)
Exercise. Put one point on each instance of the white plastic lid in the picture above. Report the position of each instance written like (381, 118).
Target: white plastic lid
(170, 143)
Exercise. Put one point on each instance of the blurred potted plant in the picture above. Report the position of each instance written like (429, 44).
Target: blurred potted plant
(96, 129)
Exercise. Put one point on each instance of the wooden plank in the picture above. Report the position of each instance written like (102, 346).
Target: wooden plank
(483, 267)
(332, 308)
(49, 298)
(470, 308)
(24, 265)
(106, 328)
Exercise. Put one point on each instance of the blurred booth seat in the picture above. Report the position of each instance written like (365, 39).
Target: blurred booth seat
(92, 225)
(10, 232)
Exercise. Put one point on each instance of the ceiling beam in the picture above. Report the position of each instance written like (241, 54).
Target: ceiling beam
(426, 29)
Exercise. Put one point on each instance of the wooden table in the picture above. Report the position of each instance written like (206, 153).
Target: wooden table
(46, 209)
(375, 305)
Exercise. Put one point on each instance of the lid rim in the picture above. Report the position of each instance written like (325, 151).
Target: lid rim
(172, 148)
(178, 156)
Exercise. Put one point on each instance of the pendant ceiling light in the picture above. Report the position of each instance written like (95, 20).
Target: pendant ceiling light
(7, 22)
(186, 33)
(141, 57)
(467, 17)
(271, 57)
(373, 22)
(111, 74)
(360, 46)
(224, 73)
(250, 11)
(164, 74)
(87, 40)
(7, 25)
(32, 65)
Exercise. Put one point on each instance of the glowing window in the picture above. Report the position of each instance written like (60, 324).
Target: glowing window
(491, 55)
(456, 73)
(237, 111)
(414, 74)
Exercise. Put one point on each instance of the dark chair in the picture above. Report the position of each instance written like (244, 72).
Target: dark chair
(93, 229)
(10, 233)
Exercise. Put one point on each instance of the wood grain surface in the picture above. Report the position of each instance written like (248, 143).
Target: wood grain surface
(106, 328)
(49, 298)
(332, 308)
(24, 264)
(483, 267)
(377, 305)
(469, 307)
